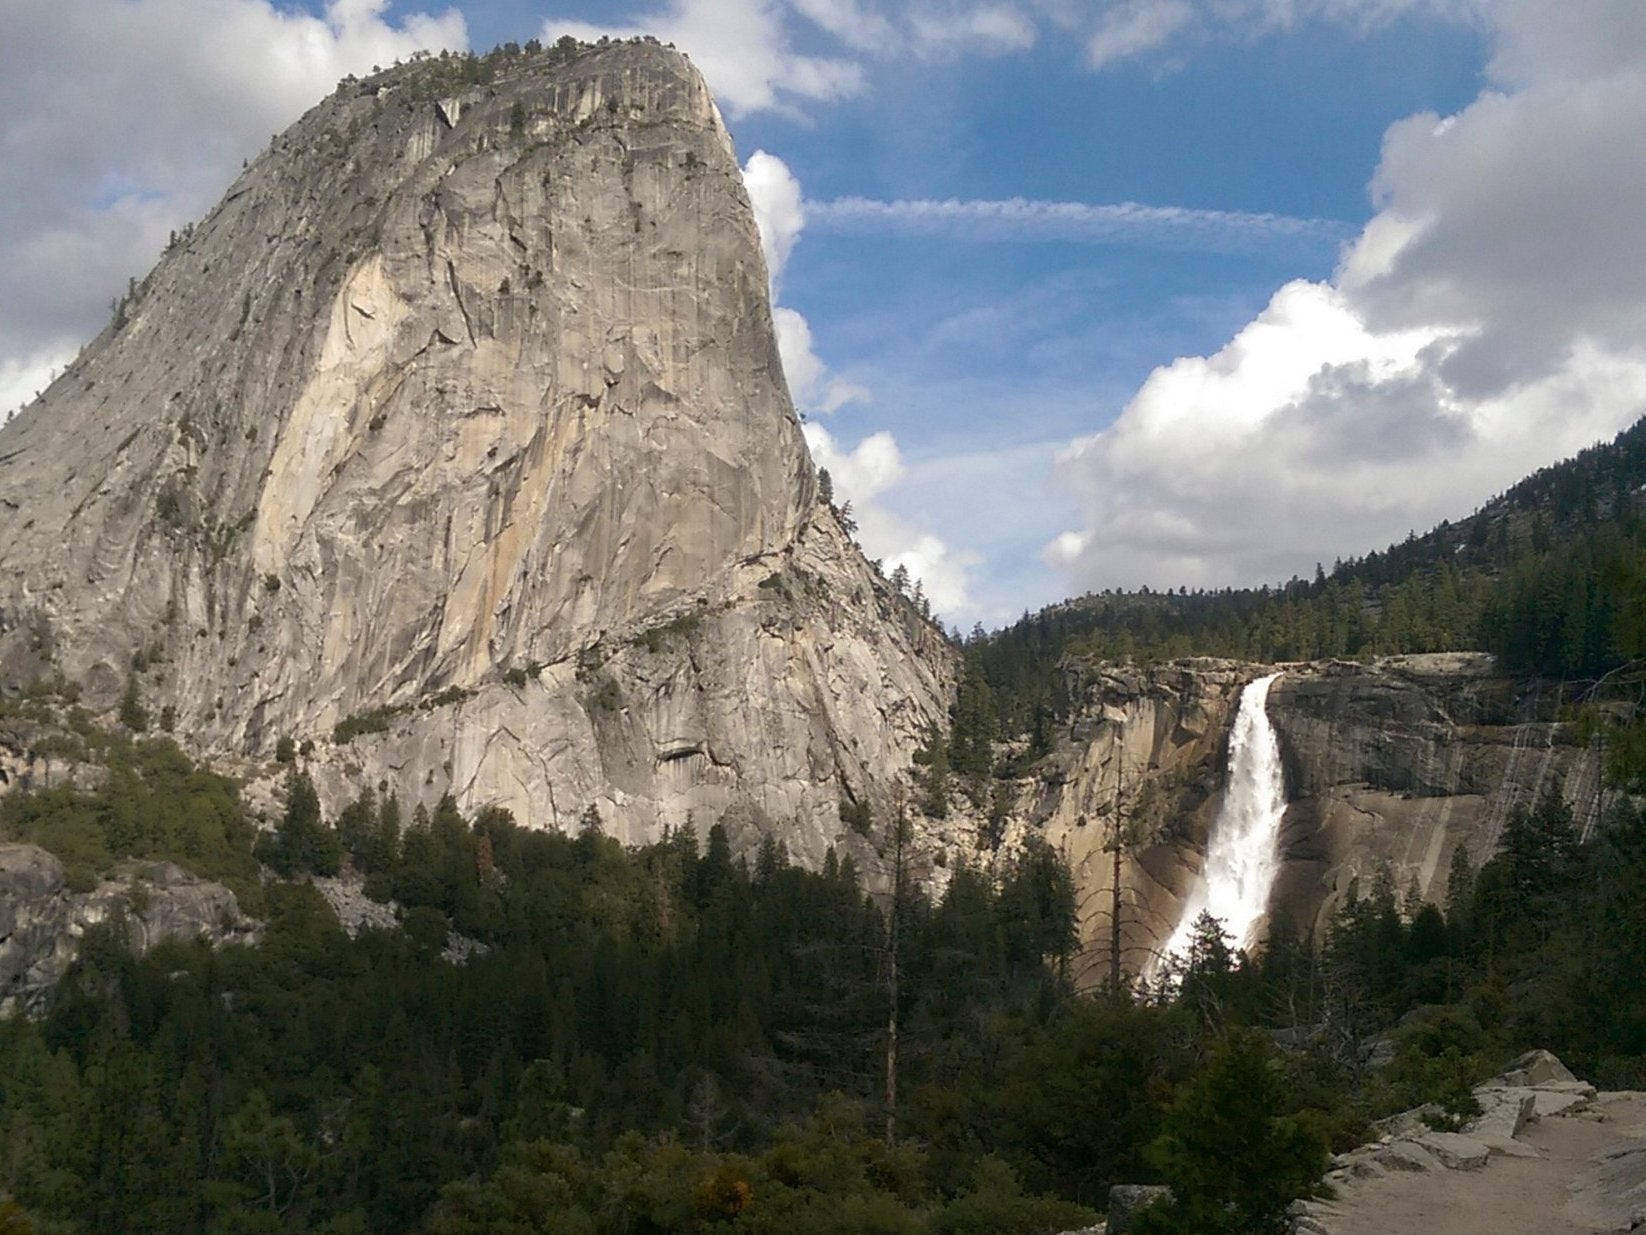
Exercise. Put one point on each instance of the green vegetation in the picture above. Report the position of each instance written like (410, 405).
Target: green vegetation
(1233, 1163)
(672, 1039)
(604, 694)
(661, 1039)
(656, 638)
(153, 803)
(519, 676)
(301, 842)
(447, 697)
(133, 715)
(357, 724)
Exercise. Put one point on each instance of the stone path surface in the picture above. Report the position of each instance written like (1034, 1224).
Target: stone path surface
(1578, 1169)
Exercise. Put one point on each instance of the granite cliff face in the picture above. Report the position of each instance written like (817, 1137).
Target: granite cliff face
(1402, 760)
(461, 420)
(1143, 759)
(1397, 761)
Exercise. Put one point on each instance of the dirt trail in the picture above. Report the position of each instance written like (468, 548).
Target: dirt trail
(1563, 1191)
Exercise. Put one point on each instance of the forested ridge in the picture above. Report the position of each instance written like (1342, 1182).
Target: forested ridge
(1550, 577)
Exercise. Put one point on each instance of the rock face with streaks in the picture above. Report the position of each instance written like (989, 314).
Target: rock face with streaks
(1398, 762)
(1401, 761)
(460, 424)
(1144, 757)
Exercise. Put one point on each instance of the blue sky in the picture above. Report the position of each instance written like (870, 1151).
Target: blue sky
(1098, 292)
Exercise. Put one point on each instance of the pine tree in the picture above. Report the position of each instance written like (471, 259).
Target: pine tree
(1233, 1160)
(301, 843)
(133, 715)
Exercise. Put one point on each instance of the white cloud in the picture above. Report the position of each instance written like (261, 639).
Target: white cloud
(780, 214)
(983, 29)
(97, 166)
(23, 377)
(1133, 28)
(928, 28)
(1491, 318)
(863, 476)
(1539, 43)
(778, 208)
(746, 49)
(1174, 227)
(1139, 26)
(743, 49)
(855, 25)
(814, 388)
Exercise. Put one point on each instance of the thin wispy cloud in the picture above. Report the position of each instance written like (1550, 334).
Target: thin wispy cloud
(1121, 223)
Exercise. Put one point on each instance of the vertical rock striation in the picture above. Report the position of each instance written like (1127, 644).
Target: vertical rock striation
(460, 422)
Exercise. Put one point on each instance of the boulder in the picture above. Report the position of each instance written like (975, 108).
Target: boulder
(1410, 1123)
(1507, 1146)
(1547, 1102)
(1456, 1151)
(1408, 1156)
(1503, 1111)
(1611, 1193)
(1536, 1068)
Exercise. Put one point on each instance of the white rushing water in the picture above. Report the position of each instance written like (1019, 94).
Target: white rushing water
(1243, 851)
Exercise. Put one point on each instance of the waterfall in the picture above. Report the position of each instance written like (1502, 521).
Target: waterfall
(1243, 851)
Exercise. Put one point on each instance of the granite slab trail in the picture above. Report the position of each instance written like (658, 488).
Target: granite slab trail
(1571, 1187)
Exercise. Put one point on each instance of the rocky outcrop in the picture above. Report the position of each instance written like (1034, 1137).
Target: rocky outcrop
(1535, 1087)
(457, 433)
(1395, 762)
(42, 921)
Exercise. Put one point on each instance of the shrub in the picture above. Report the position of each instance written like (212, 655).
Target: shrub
(374, 720)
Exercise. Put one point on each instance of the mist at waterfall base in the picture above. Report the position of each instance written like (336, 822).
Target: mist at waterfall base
(1243, 851)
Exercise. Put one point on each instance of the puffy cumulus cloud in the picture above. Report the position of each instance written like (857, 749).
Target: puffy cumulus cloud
(813, 387)
(779, 210)
(1537, 42)
(1490, 319)
(780, 213)
(743, 48)
(864, 476)
(122, 119)
(1519, 217)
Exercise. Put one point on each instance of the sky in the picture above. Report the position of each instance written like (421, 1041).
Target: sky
(1072, 294)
